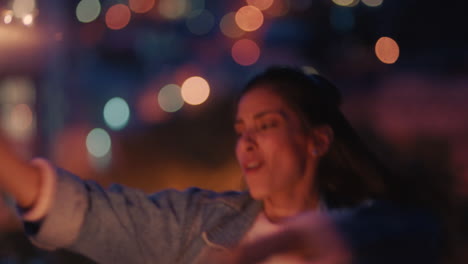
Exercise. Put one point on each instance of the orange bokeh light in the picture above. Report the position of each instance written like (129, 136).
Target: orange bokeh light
(387, 50)
(118, 16)
(195, 90)
(229, 26)
(260, 4)
(249, 18)
(141, 6)
(245, 52)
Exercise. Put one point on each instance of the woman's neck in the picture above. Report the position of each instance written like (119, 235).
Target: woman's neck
(285, 205)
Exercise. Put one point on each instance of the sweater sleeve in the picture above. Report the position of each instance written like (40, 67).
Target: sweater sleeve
(114, 225)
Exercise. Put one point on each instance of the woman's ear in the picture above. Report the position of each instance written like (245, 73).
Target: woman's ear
(321, 137)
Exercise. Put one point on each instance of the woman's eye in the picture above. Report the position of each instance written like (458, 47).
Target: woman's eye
(267, 125)
(239, 132)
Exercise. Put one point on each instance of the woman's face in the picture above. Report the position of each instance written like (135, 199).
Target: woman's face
(273, 149)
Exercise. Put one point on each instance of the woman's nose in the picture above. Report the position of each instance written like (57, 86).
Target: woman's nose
(248, 141)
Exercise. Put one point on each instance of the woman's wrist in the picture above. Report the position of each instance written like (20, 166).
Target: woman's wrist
(37, 207)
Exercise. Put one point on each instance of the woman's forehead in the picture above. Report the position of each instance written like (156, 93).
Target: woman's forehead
(260, 99)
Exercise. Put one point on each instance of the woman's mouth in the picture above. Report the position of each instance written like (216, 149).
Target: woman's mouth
(252, 166)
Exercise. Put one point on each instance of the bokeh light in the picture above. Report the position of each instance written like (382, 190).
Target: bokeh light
(8, 17)
(170, 98)
(98, 143)
(245, 52)
(260, 4)
(17, 118)
(195, 90)
(21, 8)
(116, 113)
(118, 16)
(20, 121)
(372, 3)
(28, 20)
(354, 3)
(172, 9)
(141, 6)
(309, 70)
(200, 22)
(343, 2)
(387, 50)
(249, 18)
(88, 10)
(229, 26)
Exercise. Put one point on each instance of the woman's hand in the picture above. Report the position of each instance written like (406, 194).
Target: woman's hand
(17, 177)
(307, 238)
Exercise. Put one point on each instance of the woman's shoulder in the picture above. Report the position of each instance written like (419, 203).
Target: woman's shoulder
(231, 198)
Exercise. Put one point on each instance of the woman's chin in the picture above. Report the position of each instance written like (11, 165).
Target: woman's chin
(258, 194)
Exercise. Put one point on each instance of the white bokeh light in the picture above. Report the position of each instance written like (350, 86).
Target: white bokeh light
(116, 113)
(98, 143)
(170, 98)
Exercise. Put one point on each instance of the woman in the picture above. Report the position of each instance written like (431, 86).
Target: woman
(298, 154)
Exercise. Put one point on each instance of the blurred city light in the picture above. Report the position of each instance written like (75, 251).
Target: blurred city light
(21, 120)
(373, 3)
(22, 8)
(245, 52)
(98, 143)
(195, 90)
(200, 22)
(16, 115)
(260, 4)
(8, 17)
(249, 18)
(118, 16)
(309, 70)
(229, 26)
(170, 98)
(116, 113)
(141, 6)
(354, 3)
(343, 2)
(172, 9)
(88, 10)
(387, 50)
(28, 20)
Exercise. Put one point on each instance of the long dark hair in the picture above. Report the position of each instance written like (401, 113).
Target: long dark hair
(348, 173)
